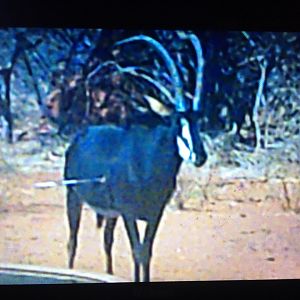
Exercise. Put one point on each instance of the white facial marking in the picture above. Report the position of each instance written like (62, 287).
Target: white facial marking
(183, 150)
(185, 146)
(186, 133)
(193, 157)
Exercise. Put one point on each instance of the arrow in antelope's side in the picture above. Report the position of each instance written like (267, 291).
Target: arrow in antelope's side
(66, 182)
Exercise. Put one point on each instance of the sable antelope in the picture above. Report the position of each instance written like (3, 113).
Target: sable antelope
(131, 172)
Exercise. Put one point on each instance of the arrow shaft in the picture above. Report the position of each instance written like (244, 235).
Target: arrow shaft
(66, 182)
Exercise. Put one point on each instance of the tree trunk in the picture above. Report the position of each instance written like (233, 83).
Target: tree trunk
(8, 120)
(259, 93)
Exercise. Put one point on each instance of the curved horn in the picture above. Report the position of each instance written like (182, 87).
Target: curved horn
(200, 63)
(134, 72)
(179, 101)
(98, 68)
(199, 75)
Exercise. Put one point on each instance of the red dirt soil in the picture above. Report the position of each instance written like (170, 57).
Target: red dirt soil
(220, 240)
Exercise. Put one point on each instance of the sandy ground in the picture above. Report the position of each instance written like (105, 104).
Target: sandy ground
(220, 240)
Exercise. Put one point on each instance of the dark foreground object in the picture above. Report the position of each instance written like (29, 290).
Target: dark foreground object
(19, 274)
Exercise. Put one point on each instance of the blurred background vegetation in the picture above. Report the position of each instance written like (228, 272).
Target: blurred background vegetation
(51, 80)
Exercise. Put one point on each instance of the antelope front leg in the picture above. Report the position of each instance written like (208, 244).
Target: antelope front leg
(142, 251)
(147, 245)
(133, 234)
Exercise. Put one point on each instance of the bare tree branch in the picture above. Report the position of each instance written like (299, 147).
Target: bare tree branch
(33, 79)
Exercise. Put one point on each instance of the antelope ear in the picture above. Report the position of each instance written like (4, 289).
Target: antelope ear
(158, 107)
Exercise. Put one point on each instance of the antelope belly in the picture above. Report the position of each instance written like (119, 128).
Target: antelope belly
(109, 213)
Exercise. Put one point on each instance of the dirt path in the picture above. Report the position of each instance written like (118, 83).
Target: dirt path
(223, 240)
